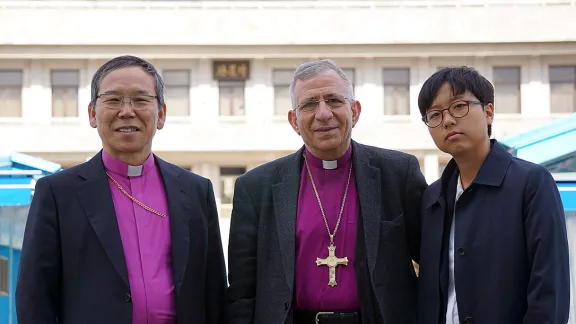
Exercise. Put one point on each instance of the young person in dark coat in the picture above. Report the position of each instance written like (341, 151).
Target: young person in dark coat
(494, 243)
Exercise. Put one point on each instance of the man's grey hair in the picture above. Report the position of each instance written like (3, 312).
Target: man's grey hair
(126, 61)
(311, 69)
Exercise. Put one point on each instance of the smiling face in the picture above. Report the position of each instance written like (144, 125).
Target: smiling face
(457, 136)
(127, 128)
(324, 116)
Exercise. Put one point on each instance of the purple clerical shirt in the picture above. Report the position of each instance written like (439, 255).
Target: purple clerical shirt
(312, 240)
(145, 239)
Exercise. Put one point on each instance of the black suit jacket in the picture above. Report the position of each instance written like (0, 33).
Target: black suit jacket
(72, 267)
(262, 238)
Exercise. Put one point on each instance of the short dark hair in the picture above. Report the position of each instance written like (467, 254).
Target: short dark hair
(460, 79)
(126, 61)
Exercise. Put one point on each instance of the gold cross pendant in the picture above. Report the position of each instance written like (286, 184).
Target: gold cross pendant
(332, 262)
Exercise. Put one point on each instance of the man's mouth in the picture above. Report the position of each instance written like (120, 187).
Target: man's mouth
(452, 134)
(128, 129)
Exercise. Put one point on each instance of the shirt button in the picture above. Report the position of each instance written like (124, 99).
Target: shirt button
(468, 320)
(285, 306)
(461, 251)
(128, 298)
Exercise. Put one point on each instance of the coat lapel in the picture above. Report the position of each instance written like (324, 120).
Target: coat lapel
(96, 200)
(285, 199)
(180, 214)
(369, 189)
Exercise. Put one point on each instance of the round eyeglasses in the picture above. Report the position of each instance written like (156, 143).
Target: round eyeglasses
(459, 109)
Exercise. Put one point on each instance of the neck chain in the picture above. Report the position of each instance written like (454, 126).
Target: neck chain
(134, 199)
(320, 202)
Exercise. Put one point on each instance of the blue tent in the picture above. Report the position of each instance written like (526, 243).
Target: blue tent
(18, 175)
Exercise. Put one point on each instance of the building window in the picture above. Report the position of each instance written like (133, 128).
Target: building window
(177, 92)
(281, 80)
(228, 176)
(396, 91)
(351, 74)
(65, 84)
(507, 90)
(4, 266)
(562, 89)
(10, 93)
(231, 98)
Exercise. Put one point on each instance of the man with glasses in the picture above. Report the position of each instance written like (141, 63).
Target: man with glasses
(327, 234)
(125, 238)
(494, 242)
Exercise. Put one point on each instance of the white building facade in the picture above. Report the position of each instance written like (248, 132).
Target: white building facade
(227, 66)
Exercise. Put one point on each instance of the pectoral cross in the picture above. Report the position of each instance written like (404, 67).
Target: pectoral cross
(332, 262)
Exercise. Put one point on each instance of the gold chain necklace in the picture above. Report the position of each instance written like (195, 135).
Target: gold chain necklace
(320, 202)
(134, 199)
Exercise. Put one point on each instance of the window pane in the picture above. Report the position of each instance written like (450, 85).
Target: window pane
(396, 76)
(10, 101)
(351, 74)
(228, 177)
(562, 74)
(507, 75)
(562, 97)
(507, 98)
(177, 78)
(282, 77)
(396, 100)
(177, 101)
(282, 103)
(64, 102)
(10, 78)
(231, 98)
(65, 78)
(4, 276)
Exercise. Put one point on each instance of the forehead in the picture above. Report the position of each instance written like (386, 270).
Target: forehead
(130, 78)
(445, 96)
(327, 82)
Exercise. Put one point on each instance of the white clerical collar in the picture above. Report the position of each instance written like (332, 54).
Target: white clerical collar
(329, 165)
(135, 171)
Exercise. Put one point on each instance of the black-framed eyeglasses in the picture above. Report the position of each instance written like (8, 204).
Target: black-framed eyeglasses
(115, 101)
(458, 109)
(333, 102)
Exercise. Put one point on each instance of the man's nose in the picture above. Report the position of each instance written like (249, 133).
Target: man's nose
(448, 119)
(323, 111)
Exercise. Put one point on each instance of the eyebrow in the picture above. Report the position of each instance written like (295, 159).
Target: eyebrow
(329, 94)
(140, 92)
(452, 100)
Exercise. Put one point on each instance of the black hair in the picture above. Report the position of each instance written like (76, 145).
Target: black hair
(460, 79)
(126, 61)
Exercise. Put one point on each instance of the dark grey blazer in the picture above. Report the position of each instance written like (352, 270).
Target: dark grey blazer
(262, 238)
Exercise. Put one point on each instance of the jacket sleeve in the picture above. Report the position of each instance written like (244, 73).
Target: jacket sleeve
(216, 270)
(242, 256)
(547, 245)
(39, 274)
(415, 185)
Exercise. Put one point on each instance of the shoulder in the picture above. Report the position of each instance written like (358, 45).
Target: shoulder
(268, 170)
(189, 177)
(64, 177)
(389, 158)
(532, 173)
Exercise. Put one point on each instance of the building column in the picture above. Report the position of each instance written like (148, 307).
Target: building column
(36, 95)
(431, 167)
(369, 85)
(418, 76)
(535, 100)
